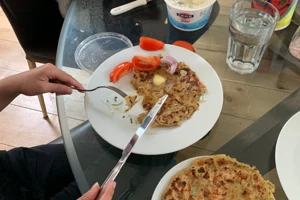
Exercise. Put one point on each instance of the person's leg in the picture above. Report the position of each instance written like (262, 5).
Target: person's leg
(10, 188)
(71, 192)
(44, 170)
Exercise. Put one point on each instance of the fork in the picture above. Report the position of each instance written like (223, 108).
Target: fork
(117, 90)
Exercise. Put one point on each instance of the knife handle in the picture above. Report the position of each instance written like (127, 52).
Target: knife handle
(115, 171)
(111, 177)
(126, 7)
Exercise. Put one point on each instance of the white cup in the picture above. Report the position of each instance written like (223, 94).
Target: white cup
(189, 19)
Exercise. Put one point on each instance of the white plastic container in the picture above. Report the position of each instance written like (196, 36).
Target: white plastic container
(189, 19)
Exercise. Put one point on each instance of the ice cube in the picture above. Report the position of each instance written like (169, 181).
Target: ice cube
(256, 22)
(241, 19)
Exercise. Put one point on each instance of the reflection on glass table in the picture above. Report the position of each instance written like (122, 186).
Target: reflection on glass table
(254, 100)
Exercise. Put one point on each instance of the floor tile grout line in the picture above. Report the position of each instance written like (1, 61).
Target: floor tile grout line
(237, 116)
(16, 105)
(241, 117)
(10, 40)
(257, 86)
(227, 80)
(201, 148)
(218, 51)
(54, 114)
(82, 120)
(6, 144)
(11, 69)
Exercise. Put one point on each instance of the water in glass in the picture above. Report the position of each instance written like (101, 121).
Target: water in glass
(249, 33)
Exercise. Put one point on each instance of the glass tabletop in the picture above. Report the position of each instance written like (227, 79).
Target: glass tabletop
(247, 98)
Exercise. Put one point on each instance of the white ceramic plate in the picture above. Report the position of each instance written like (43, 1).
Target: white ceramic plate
(287, 157)
(164, 182)
(116, 127)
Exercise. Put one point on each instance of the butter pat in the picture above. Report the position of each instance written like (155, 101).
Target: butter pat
(158, 80)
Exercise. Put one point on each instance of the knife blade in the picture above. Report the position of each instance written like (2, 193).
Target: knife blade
(136, 137)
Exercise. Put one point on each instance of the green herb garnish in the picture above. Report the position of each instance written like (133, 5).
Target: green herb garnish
(117, 104)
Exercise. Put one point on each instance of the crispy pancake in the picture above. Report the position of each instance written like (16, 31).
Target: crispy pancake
(183, 87)
(219, 177)
(130, 101)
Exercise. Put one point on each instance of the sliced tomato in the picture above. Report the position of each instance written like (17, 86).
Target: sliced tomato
(151, 44)
(120, 71)
(279, 4)
(145, 63)
(185, 45)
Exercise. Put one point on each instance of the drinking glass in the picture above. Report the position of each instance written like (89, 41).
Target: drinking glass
(249, 32)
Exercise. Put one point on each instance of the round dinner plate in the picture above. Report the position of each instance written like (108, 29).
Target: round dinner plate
(164, 182)
(287, 157)
(105, 109)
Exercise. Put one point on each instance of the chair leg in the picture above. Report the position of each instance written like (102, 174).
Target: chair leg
(32, 65)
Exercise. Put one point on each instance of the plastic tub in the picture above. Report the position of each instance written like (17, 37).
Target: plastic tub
(189, 19)
(286, 10)
(95, 49)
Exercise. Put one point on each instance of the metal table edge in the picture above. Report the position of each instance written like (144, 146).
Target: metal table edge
(67, 138)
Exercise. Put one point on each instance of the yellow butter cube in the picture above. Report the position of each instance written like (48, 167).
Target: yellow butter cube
(158, 80)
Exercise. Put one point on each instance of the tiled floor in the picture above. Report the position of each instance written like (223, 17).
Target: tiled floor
(22, 121)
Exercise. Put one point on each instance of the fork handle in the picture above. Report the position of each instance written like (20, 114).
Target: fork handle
(111, 177)
(63, 83)
(80, 90)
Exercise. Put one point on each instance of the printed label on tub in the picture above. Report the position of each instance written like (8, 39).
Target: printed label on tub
(188, 20)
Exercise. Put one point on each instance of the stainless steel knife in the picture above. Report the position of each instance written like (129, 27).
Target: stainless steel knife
(136, 137)
(129, 6)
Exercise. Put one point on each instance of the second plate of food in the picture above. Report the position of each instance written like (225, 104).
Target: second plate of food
(287, 157)
(213, 177)
(183, 120)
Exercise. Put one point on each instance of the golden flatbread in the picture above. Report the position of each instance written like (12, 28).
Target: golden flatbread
(183, 87)
(130, 101)
(219, 177)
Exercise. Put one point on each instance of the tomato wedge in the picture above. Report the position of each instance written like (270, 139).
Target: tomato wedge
(151, 44)
(185, 45)
(145, 63)
(120, 71)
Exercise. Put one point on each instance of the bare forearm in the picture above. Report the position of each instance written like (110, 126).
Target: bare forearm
(36, 82)
(9, 90)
